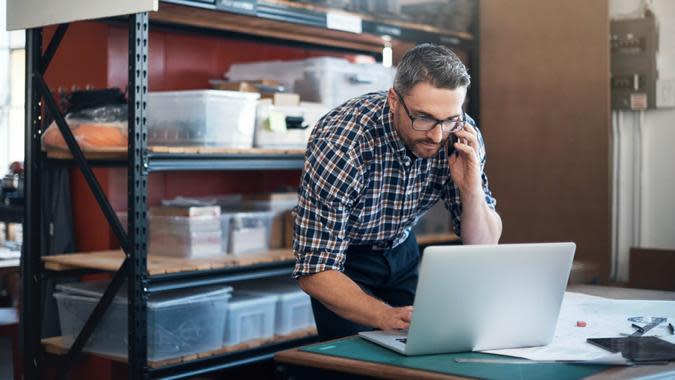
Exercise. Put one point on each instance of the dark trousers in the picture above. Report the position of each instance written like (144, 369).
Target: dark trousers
(389, 275)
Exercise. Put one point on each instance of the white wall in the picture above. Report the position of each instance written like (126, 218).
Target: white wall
(657, 191)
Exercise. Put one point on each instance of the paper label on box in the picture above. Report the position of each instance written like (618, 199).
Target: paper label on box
(344, 22)
(277, 122)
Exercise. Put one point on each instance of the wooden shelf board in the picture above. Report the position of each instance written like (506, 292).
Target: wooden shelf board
(219, 20)
(158, 265)
(389, 21)
(437, 238)
(56, 346)
(121, 153)
(92, 154)
(216, 150)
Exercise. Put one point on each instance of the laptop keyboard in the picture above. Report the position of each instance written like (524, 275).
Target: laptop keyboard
(402, 340)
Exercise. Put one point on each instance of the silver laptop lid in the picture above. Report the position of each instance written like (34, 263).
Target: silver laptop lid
(480, 297)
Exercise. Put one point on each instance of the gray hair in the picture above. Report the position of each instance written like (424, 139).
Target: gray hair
(434, 64)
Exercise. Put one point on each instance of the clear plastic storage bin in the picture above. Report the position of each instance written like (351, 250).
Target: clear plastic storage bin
(326, 80)
(179, 323)
(202, 118)
(249, 232)
(333, 81)
(249, 317)
(293, 307)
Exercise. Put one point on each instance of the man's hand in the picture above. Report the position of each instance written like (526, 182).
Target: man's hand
(395, 318)
(480, 223)
(346, 299)
(464, 162)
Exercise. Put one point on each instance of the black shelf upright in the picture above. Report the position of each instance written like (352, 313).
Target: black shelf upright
(39, 102)
(31, 264)
(138, 196)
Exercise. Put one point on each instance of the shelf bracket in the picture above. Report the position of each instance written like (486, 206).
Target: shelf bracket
(53, 46)
(82, 163)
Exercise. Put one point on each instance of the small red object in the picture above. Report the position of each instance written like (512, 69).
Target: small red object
(581, 324)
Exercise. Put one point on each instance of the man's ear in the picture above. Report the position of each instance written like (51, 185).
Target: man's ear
(392, 98)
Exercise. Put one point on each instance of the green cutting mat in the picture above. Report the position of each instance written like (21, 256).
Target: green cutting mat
(359, 349)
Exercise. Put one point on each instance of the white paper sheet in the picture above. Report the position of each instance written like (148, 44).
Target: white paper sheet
(604, 317)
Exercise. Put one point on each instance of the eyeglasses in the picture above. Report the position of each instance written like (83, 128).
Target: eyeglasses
(424, 124)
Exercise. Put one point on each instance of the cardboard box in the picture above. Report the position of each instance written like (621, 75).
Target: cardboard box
(258, 86)
(289, 225)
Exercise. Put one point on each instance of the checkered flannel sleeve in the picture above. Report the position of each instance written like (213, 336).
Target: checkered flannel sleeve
(330, 184)
(451, 194)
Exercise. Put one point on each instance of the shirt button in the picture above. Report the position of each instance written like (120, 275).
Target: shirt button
(407, 161)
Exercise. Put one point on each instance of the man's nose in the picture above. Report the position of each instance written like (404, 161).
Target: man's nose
(436, 133)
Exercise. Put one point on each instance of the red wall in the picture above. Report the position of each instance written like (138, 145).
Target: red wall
(95, 55)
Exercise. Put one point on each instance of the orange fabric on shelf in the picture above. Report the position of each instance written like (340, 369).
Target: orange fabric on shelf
(88, 135)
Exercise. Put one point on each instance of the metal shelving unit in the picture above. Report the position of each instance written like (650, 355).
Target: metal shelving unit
(167, 161)
(140, 162)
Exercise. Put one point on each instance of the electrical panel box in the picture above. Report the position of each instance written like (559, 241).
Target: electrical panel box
(634, 43)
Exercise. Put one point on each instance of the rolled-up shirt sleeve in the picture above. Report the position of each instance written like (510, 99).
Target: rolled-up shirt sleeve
(451, 196)
(331, 182)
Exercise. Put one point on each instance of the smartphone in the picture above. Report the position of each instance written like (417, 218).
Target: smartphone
(450, 144)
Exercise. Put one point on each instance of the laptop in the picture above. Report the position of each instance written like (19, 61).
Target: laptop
(484, 297)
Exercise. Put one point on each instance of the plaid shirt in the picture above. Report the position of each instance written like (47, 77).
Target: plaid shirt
(359, 186)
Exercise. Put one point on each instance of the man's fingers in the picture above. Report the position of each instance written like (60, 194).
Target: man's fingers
(405, 313)
(466, 137)
(466, 149)
(403, 325)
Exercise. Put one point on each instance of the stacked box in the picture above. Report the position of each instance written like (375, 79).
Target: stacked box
(188, 232)
(290, 138)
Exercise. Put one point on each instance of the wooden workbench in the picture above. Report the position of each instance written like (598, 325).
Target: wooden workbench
(314, 364)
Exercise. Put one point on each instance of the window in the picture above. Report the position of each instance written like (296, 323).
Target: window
(12, 90)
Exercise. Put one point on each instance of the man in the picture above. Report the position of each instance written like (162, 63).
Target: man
(373, 166)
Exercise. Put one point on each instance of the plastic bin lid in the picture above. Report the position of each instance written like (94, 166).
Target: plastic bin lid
(243, 297)
(211, 93)
(277, 286)
(95, 290)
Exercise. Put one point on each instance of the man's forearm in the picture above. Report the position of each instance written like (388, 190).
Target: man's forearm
(344, 297)
(480, 223)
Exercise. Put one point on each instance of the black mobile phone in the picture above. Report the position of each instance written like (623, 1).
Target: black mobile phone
(450, 144)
